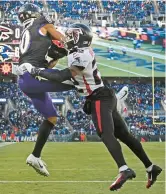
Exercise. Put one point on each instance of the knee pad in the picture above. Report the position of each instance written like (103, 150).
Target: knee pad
(52, 120)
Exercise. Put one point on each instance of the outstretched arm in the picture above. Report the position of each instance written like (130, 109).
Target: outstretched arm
(54, 75)
(60, 75)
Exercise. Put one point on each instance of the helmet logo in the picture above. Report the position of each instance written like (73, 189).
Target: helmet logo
(74, 34)
(5, 33)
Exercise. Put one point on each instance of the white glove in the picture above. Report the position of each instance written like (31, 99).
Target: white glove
(20, 70)
(122, 94)
(121, 97)
(16, 70)
(26, 67)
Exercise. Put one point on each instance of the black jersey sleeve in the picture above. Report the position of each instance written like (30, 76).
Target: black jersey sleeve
(54, 75)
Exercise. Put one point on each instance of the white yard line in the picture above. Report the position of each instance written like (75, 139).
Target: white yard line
(67, 181)
(69, 169)
(59, 66)
(124, 70)
(3, 144)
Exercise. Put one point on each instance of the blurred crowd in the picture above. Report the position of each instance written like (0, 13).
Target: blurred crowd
(143, 125)
(140, 96)
(124, 10)
(19, 116)
(133, 10)
(75, 9)
(80, 122)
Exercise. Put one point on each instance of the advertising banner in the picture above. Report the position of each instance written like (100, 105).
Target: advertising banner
(9, 47)
(10, 34)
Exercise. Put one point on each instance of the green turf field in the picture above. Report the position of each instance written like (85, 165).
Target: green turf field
(126, 66)
(146, 47)
(75, 168)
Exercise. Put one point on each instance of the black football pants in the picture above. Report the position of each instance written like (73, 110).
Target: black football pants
(110, 126)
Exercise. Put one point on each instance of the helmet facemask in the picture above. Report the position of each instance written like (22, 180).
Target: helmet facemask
(28, 12)
(72, 37)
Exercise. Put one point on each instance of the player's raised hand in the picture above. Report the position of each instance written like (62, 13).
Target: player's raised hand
(27, 66)
(31, 69)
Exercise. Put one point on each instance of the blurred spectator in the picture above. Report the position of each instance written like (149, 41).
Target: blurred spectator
(123, 10)
(24, 120)
(135, 41)
(143, 125)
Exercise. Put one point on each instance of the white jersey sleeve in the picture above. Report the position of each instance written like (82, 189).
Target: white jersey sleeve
(89, 79)
(80, 59)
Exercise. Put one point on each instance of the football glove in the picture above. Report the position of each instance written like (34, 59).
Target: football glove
(35, 72)
(57, 52)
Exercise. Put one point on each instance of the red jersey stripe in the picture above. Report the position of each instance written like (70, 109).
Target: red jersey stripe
(97, 105)
(87, 86)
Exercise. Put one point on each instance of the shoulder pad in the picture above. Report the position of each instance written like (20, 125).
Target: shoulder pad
(47, 18)
(43, 20)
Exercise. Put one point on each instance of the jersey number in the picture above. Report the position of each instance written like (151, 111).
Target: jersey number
(25, 42)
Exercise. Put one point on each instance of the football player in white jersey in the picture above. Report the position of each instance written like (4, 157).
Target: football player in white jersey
(101, 103)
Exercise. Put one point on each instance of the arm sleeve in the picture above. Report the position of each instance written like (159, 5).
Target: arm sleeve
(56, 75)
